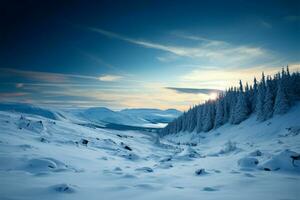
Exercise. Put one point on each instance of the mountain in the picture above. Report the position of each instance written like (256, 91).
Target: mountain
(143, 117)
(133, 117)
(153, 115)
(31, 110)
(101, 114)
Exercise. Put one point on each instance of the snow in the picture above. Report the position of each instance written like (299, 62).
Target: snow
(152, 118)
(31, 110)
(98, 116)
(46, 158)
(153, 115)
(283, 161)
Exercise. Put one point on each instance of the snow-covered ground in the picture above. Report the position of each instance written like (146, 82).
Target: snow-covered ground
(52, 158)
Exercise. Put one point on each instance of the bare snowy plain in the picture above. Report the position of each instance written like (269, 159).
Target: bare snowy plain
(44, 157)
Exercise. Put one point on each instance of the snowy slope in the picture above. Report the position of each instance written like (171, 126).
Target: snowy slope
(133, 117)
(42, 158)
(153, 115)
(31, 110)
(107, 115)
(154, 118)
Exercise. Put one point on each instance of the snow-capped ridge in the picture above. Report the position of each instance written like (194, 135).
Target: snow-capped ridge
(31, 110)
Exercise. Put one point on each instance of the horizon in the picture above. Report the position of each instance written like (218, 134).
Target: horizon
(141, 54)
(211, 96)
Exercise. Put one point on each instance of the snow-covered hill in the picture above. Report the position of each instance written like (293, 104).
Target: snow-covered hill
(153, 118)
(102, 114)
(31, 110)
(133, 117)
(45, 158)
(153, 115)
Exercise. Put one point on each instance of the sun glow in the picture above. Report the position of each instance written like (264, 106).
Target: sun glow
(213, 96)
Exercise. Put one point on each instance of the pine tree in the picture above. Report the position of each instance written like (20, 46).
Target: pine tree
(199, 119)
(274, 96)
(269, 102)
(233, 100)
(260, 100)
(241, 86)
(281, 101)
(208, 122)
(226, 109)
(241, 109)
(219, 119)
(192, 119)
(254, 95)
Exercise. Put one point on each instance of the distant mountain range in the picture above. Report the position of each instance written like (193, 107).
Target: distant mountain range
(140, 117)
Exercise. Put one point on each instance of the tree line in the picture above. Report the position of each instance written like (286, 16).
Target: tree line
(266, 98)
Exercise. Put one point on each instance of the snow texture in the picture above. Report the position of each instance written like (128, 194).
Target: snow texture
(45, 158)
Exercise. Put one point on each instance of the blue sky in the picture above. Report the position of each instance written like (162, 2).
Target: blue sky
(120, 54)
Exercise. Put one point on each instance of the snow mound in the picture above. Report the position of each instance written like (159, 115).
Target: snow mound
(64, 188)
(44, 165)
(228, 147)
(35, 166)
(164, 165)
(41, 165)
(285, 161)
(31, 125)
(248, 163)
(256, 153)
(201, 172)
(130, 156)
(144, 169)
(187, 154)
(210, 189)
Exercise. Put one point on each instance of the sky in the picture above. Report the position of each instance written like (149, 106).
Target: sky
(141, 54)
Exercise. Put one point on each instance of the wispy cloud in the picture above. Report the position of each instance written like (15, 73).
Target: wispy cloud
(45, 76)
(19, 85)
(175, 50)
(222, 79)
(208, 50)
(12, 94)
(206, 41)
(194, 90)
(110, 78)
(265, 24)
(101, 62)
(56, 77)
(293, 18)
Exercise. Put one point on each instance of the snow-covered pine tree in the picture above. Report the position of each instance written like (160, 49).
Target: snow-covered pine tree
(226, 107)
(199, 118)
(241, 110)
(248, 94)
(233, 100)
(269, 101)
(295, 83)
(281, 102)
(208, 120)
(192, 119)
(260, 100)
(281, 91)
(219, 119)
(184, 122)
(254, 95)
